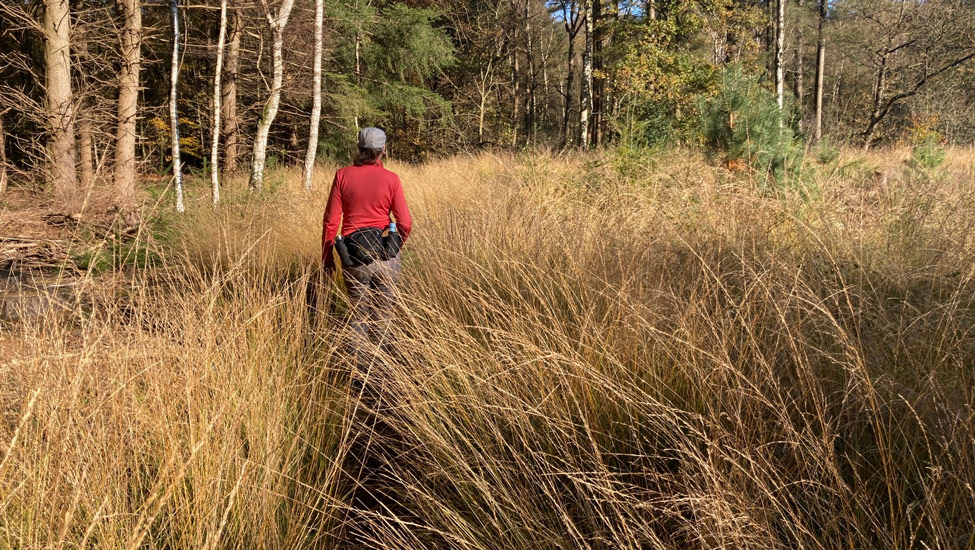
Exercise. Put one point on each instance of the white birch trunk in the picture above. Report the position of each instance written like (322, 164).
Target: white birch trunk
(316, 107)
(820, 69)
(277, 24)
(585, 107)
(358, 72)
(173, 111)
(799, 90)
(59, 106)
(218, 74)
(128, 104)
(779, 51)
(484, 91)
(3, 157)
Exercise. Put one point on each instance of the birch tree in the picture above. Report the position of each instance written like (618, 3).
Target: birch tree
(585, 98)
(215, 142)
(128, 104)
(3, 155)
(820, 68)
(597, 80)
(276, 23)
(798, 90)
(779, 54)
(59, 101)
(173, 108)
(316, 108)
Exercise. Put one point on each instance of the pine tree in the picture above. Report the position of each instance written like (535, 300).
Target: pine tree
(59, 102)
(128, 104)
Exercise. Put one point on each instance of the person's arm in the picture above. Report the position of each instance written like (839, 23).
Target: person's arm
(330, 224)
(401, 211)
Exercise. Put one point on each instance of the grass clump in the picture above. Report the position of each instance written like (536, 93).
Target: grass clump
(677, 365)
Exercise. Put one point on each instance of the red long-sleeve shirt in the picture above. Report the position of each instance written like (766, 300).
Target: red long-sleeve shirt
(363, 196)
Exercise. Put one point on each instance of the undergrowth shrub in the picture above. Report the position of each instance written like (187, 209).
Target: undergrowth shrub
(927, 155)
(826, 151)
(742, 123)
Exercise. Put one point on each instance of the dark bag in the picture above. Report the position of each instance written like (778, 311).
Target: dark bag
(366, 245)
(343, 251)
(393, 241)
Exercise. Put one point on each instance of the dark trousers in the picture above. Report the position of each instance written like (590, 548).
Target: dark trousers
(376, 445)
(372, 297)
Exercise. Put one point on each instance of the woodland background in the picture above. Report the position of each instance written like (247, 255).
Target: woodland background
(87, 91)
(685, 275)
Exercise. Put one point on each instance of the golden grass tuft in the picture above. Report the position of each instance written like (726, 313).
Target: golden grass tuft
(592, 351)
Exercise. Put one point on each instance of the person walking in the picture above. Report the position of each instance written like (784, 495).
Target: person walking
(361, 200)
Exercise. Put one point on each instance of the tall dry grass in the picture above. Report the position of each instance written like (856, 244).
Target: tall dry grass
(591, 352)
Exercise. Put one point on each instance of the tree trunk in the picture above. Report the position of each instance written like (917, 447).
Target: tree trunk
(611, 100)
(569, 77)
(277, 24)
(883, 104)
(215, 141)
(480, 118)
(820, 68)
(60, 112)
(228, 103)
(85, 154)
(128, 104)
(779, 50)
(837, 82)
(173, 108)
(880, 88)
(84, 118)
(358, 71)
(3, 157)
(530, 115)
(798, 90)
(484, 91)
(546, 83)
(516, 93)
(585, 97)
(316, 104)
(597, 84)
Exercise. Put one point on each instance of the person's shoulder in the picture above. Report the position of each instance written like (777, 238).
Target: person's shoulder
(342, 174)
(392, 176)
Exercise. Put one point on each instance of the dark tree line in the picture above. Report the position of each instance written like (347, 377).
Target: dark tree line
(92, 90)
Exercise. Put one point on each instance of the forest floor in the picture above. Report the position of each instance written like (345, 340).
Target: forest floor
(39, 234)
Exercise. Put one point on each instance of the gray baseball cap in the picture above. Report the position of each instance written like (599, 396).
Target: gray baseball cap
(372, 138)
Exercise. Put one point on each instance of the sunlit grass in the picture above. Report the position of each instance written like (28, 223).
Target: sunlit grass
(591, 352)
